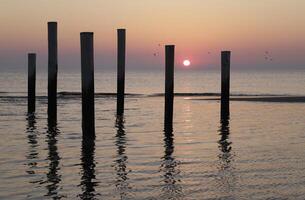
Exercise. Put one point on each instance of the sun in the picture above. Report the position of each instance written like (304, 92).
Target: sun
(186, 63)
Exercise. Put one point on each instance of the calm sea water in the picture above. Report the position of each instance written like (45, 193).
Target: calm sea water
(149, 82)
(257, 154)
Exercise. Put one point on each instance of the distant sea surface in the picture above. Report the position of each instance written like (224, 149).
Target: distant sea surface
(150, 82)
(258, 153)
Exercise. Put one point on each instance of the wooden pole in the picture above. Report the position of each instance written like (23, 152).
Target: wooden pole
(87, 70)
(225, 83)
(121, 70)
(169, 85)
(31, 82)
(52, 70)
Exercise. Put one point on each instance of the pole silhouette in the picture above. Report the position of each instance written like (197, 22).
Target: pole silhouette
(121, 70)
(31, 82)
(52, 70)
(225, 83)
(169, 85)
(87, 71)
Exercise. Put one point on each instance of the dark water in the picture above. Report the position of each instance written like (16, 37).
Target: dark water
(258, 153)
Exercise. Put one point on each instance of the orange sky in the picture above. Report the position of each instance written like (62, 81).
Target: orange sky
(196, 27)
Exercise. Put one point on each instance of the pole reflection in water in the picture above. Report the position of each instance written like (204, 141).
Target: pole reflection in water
(53, 176)
(224, 143)
(31, 131)
(170, 168)
(121, 160)
(88, 179)
(226, 157)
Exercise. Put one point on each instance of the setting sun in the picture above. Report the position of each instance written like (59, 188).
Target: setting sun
(186, 63)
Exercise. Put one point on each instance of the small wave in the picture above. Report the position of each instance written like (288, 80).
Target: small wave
(96, 95)
(267, 99)
(2, 92)
(206, 94)
(66, 94)
(20, 97)
(185, 94)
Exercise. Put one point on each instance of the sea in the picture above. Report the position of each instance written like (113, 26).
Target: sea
(256, 153)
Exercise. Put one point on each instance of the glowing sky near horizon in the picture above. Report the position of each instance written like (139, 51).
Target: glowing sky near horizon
(199, 29)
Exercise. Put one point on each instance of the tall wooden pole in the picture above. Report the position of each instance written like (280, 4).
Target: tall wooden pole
(87, 71)
(52, 71)
(31, 82)
(225, 83)
(169, 85)
(121, 70)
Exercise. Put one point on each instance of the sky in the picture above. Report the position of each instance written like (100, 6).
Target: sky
(262, 34)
